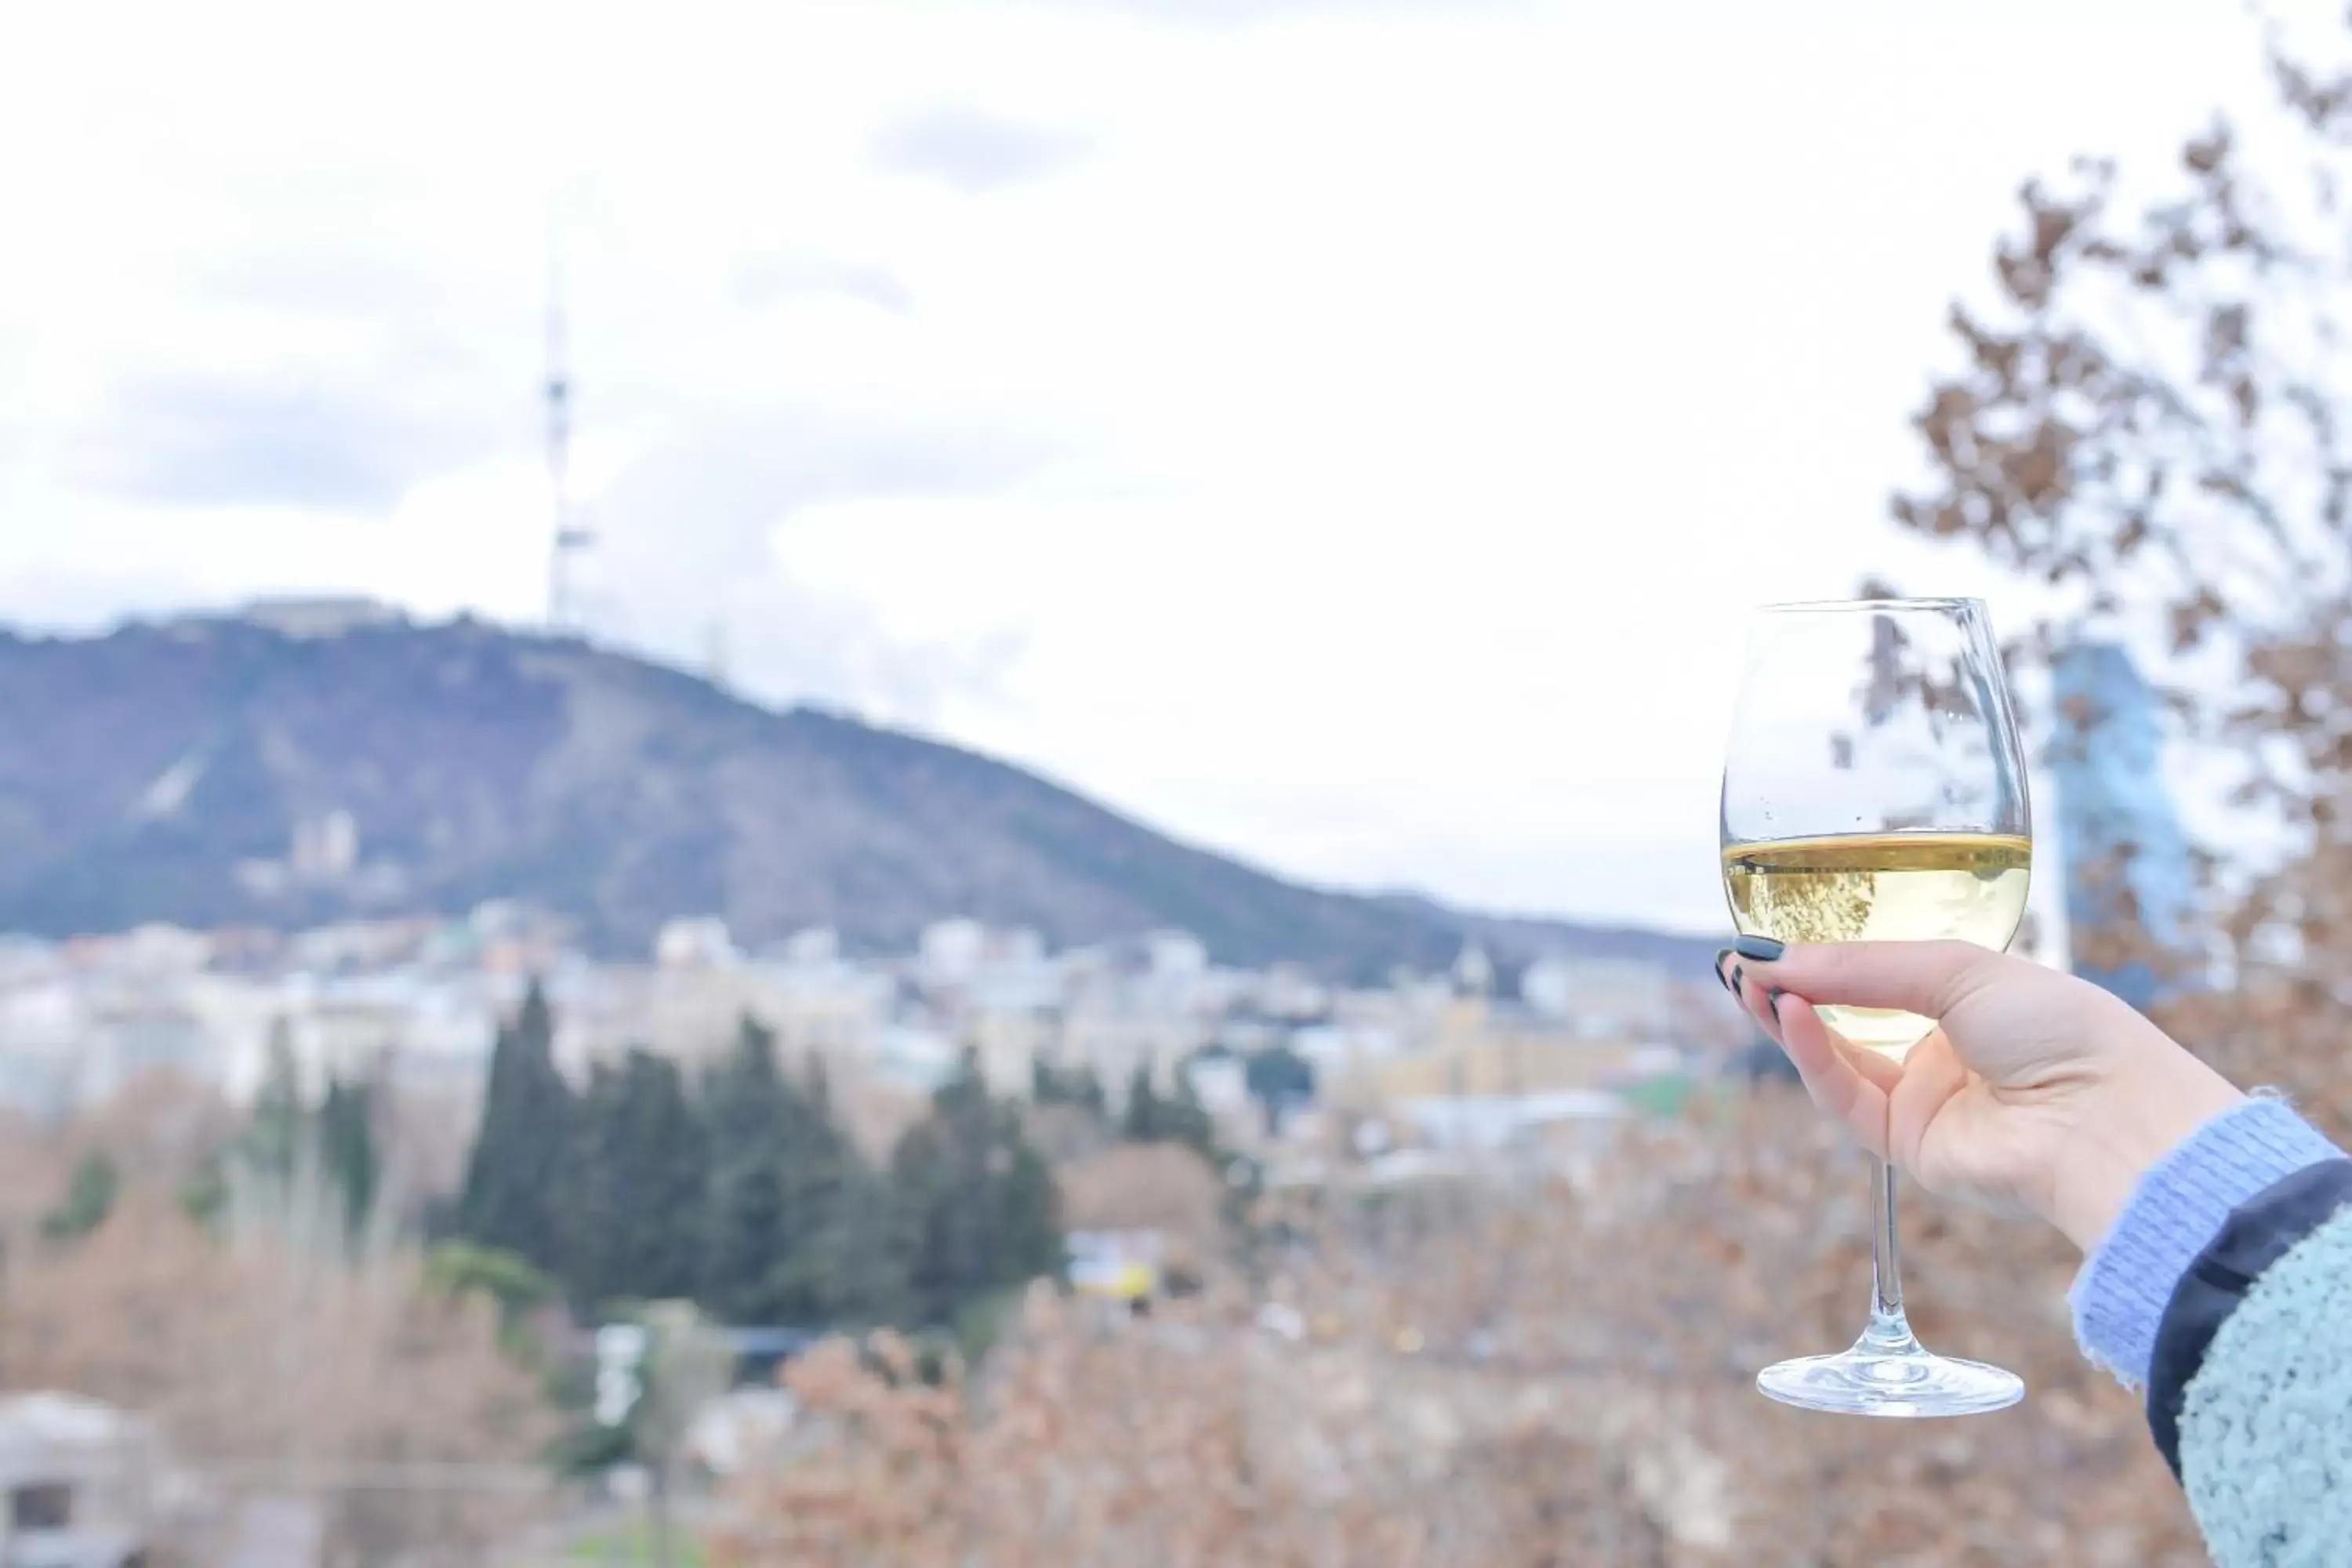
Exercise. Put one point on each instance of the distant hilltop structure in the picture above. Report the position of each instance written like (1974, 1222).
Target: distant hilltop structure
(2131, 883)
(303, 616)
(325, 616)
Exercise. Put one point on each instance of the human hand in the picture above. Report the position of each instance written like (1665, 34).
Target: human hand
(2035, 1087)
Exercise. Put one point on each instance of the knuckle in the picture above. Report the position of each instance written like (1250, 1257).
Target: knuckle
(1966, 970)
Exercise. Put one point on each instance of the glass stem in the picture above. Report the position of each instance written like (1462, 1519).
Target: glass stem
(1889, 1332)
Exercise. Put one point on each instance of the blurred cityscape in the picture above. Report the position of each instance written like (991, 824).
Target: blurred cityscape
(1450, 1061)
(722, 1150)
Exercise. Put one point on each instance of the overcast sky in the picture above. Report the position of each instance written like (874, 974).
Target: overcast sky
(1342, 433)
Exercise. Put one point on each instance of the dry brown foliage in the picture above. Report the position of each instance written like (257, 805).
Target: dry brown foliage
(1164, 1187)
(272, 1368)
(2152, 419)
(157, 1130)
(1499, 1375)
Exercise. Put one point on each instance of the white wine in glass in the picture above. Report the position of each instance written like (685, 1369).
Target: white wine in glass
(1876, 792)
(1881, 887)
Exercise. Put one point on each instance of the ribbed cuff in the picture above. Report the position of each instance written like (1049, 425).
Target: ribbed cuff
(2126, 1284)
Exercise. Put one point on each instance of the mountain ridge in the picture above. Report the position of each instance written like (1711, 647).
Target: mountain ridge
(217, 769)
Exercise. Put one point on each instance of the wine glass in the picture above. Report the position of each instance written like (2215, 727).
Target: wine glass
(1875, 791)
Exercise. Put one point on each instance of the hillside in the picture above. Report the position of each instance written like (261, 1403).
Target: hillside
(215, 772)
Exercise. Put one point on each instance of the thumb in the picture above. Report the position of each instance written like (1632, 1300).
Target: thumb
(1929, 978)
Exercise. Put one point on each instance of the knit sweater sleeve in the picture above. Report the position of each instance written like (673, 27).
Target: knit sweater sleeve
(2258, 1344)
(2225, 1287)
(2179, 1205)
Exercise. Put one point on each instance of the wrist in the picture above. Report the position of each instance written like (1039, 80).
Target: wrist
(2128, 1125)
(2175, 1209)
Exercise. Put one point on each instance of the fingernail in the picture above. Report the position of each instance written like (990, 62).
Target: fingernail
(1762, 949)
(1737, 971)
(1722, 976)
(1772, 1001)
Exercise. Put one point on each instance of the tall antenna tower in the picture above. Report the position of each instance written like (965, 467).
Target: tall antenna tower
(568, 536)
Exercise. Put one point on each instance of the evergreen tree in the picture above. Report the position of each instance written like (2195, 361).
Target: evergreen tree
(345, 1132)
(834, 1267)
(1179, 1118)
(1028, 1211)
(288, 1142)
(798, 1226)
(88, 1199)
(1142, 1121)
(1079, 1086)
(638, 1173)
(1281, 1080)
(204, 1196)
(868, 1268)
(514, 1177)
(921, 1191)
(275, 1134)
(969, 1217)
(1184, 1119)
(596, 1193)
(745, 1237)
(974, 1208)
(459, 1268)
(1090, 1094)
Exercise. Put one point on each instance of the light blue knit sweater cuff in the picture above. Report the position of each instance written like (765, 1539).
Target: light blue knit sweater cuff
(2126, 1284)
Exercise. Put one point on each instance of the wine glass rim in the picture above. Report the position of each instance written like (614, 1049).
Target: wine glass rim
(1838, 606)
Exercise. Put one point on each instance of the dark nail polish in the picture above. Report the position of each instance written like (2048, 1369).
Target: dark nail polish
(1737, 971)
(1762, 949)
(1772, 1001)
(1722, 975)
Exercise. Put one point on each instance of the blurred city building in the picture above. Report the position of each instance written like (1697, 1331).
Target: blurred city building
(80, 1479)
(2131, 883)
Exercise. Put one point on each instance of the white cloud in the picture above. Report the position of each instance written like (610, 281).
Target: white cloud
(973, 150)
(1349, 438)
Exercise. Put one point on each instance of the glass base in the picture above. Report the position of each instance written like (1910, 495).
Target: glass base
(1900, 1380)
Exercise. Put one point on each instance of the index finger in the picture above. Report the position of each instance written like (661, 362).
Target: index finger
(1928, 978)
(1833, 1077)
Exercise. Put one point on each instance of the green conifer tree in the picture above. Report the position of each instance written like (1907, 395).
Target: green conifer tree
(745, 1237)
(639, 1176)
(514, 1179)
(974, 1207)
(344, 1128)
